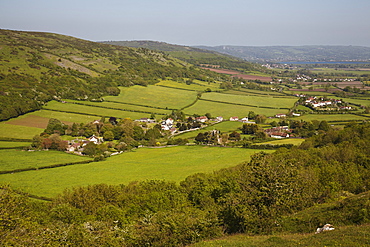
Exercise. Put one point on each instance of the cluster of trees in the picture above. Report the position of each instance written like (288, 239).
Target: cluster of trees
(126, 133)
(253, 197)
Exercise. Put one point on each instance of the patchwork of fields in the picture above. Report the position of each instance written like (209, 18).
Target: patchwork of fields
(175, 163)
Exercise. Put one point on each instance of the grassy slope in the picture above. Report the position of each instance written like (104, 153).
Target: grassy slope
(193, 55)
(141, 164)
(358, 236)
(155, 96)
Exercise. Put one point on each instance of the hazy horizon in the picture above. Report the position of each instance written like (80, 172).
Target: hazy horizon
(197, 23)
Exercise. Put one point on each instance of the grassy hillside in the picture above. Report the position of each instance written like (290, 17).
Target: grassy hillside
(193, 55)
(36, 67)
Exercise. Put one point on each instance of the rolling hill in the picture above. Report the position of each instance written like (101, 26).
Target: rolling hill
(193, 55)
(36, 67)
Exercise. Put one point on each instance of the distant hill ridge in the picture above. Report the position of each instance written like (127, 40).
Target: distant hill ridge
(309, 53)
(193, 55)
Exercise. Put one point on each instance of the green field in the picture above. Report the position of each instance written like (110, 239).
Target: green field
(90, 110)
(155, 96)
(121, 106)
(16, 159)
(228, 110)
(244, 91)
(18, 131)
(6, 144)
(258, 101)
(294, 141)
(64, 116)
(196, 86)
(331, 117)
(171, 164)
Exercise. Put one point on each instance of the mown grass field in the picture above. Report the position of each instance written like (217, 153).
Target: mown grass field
(331, 117)
(258, 101)
(228, 110)
(91, 110)
(7, 144)
(196, 86)
(294, 141)
(171, 164)
(155, 96)
(121, 106)
(11, 131)
(65, 117)
(358, 236)
(244, 91)
(17, 159)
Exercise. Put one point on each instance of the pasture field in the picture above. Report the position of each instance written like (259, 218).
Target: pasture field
(122, 106)
(331, 117)
(224, 127)
(96, 111)
(196, 86)
(6, 144)
(310, 93)
(171, 164)
(294, 141)
(363, 102)
(258, 101)
(11, 131)
(155, 96)
(244, 91)
(65, 117)
(17, 159)
(228, 110)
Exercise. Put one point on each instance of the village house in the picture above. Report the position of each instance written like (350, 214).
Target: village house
(96, 140)
(278, 132)
(280, 115)
(145, 120)
(219, 119)
(234, 119)
(201, 119)
(167, 124)
(244, 120)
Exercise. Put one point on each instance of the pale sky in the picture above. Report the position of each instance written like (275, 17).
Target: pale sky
(197, 22)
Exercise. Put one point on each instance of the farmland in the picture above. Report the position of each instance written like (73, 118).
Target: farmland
(153, 96)
(141, 164)
(16, 159)
(228, 110)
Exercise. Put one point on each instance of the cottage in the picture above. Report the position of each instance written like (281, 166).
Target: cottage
(219, 119)
(96, 140)
(202, 119)
(245, 120)
(279, 135)
(234, 119)
(280, 115)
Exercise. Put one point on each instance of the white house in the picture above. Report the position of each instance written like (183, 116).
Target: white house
(202, 119)
(96, 140)
(244, 120)
(219, 119)
(234, 119)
